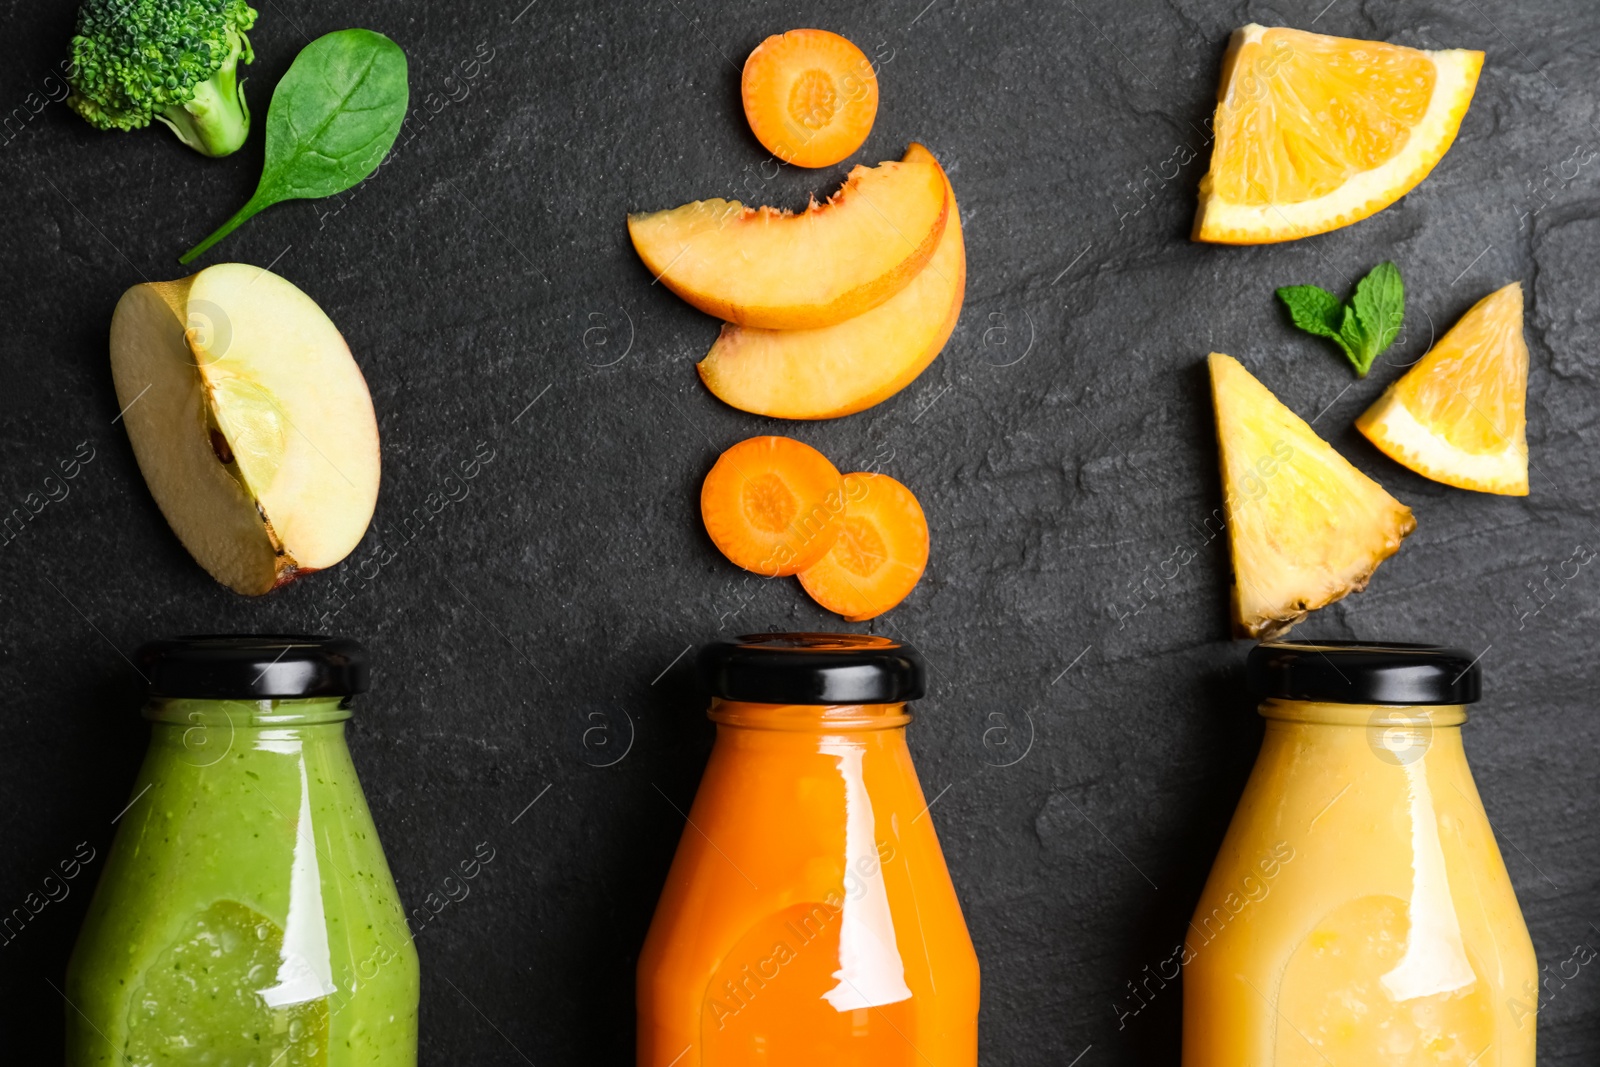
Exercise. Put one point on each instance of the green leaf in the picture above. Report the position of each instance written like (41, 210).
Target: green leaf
(1362, 328)
(1316, 311)
(1353, 338)
(1380, 305)
(333, 118)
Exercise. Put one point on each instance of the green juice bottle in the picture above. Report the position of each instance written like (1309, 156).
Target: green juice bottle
(246, 915)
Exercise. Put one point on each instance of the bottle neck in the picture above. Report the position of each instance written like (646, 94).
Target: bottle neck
(231, 736)
(189, 712)
(1319, 714)
(1397, 734)
(809, 718)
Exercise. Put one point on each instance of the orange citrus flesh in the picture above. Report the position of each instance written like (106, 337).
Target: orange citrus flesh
(810, 96)
(1316, 132)
(881, 552)
(1352, 107)
(1460, 415)
(773, 505)
(759, 266)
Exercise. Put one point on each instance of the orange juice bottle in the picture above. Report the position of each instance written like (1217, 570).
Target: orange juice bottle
(808, 917)
(1359, 913)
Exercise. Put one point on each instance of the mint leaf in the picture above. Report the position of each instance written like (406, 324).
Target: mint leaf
(1380, 304)
(1313, 308)
(1354, 339)
(1316, 311)
(1362, 328)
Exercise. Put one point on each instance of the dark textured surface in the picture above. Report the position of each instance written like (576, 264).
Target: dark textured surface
(1061, 447)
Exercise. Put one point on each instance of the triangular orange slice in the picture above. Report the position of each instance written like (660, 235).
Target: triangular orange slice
(1460, 415)
(1316, 132)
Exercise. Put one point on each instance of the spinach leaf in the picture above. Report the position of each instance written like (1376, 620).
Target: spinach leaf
(332, 119)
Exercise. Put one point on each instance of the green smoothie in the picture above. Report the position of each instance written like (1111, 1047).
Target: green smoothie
(246, 916)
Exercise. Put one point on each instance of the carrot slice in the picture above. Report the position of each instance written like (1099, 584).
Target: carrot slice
(810, 96)
(880, 554)
(773, 505)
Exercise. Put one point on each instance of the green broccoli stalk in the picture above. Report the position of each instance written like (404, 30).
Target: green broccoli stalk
(175, 61)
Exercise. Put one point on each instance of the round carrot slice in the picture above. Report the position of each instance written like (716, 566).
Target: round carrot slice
(880, 553)
(810, 96)
(773, 505)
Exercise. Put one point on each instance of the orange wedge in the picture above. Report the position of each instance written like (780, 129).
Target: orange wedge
(1314, 132)
(1460, 415)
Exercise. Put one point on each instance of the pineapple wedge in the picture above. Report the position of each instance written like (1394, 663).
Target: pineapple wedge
(1304, 527)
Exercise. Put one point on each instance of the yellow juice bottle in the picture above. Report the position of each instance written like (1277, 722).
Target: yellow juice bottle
(1359, 913)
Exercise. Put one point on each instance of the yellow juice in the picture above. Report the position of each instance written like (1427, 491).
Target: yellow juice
(1359, 913)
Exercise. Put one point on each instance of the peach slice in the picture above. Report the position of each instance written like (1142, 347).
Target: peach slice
(852, 365)
(758, 266)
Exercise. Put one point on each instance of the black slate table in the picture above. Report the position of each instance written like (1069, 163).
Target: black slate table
(1086, 735)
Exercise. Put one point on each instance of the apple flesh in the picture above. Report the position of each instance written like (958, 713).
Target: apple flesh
(251, 422)
(850, 366)
(758, 266)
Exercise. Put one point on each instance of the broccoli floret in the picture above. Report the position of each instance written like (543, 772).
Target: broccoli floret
(175, 61)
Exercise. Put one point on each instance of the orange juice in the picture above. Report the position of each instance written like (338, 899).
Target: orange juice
(1359, 913)
(808, 917)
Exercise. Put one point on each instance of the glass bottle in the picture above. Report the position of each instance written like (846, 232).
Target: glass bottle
(246, 915)
(1359, 911)
(808, 917)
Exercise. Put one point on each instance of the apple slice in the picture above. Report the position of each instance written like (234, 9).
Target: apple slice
(852, 365)
(251, 422)
(759, 266)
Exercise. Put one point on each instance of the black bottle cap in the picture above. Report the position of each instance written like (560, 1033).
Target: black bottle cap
(1357, 672)
(813, 669)
(254, 667)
